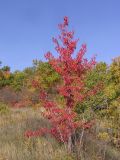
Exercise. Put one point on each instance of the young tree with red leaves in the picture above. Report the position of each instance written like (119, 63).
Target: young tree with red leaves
(72, 72)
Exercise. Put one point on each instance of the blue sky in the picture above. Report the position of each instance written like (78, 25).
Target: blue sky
(27, 26)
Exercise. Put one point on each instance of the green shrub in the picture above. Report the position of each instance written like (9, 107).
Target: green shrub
(3, 108)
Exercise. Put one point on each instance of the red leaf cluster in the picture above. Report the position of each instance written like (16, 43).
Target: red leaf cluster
(72, 71)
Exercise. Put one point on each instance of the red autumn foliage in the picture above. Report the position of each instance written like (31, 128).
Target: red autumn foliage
(21, 104)
(72, 71)
(35, 84)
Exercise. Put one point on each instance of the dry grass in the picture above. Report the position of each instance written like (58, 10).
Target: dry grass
(13, 144)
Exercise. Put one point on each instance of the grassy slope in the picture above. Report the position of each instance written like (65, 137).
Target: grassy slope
(13, 144)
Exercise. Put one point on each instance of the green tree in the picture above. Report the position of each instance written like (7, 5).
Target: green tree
(18, 80)
(98, 75)
(112, 92)
(5, 76)
(46, 75)
(5, 69)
